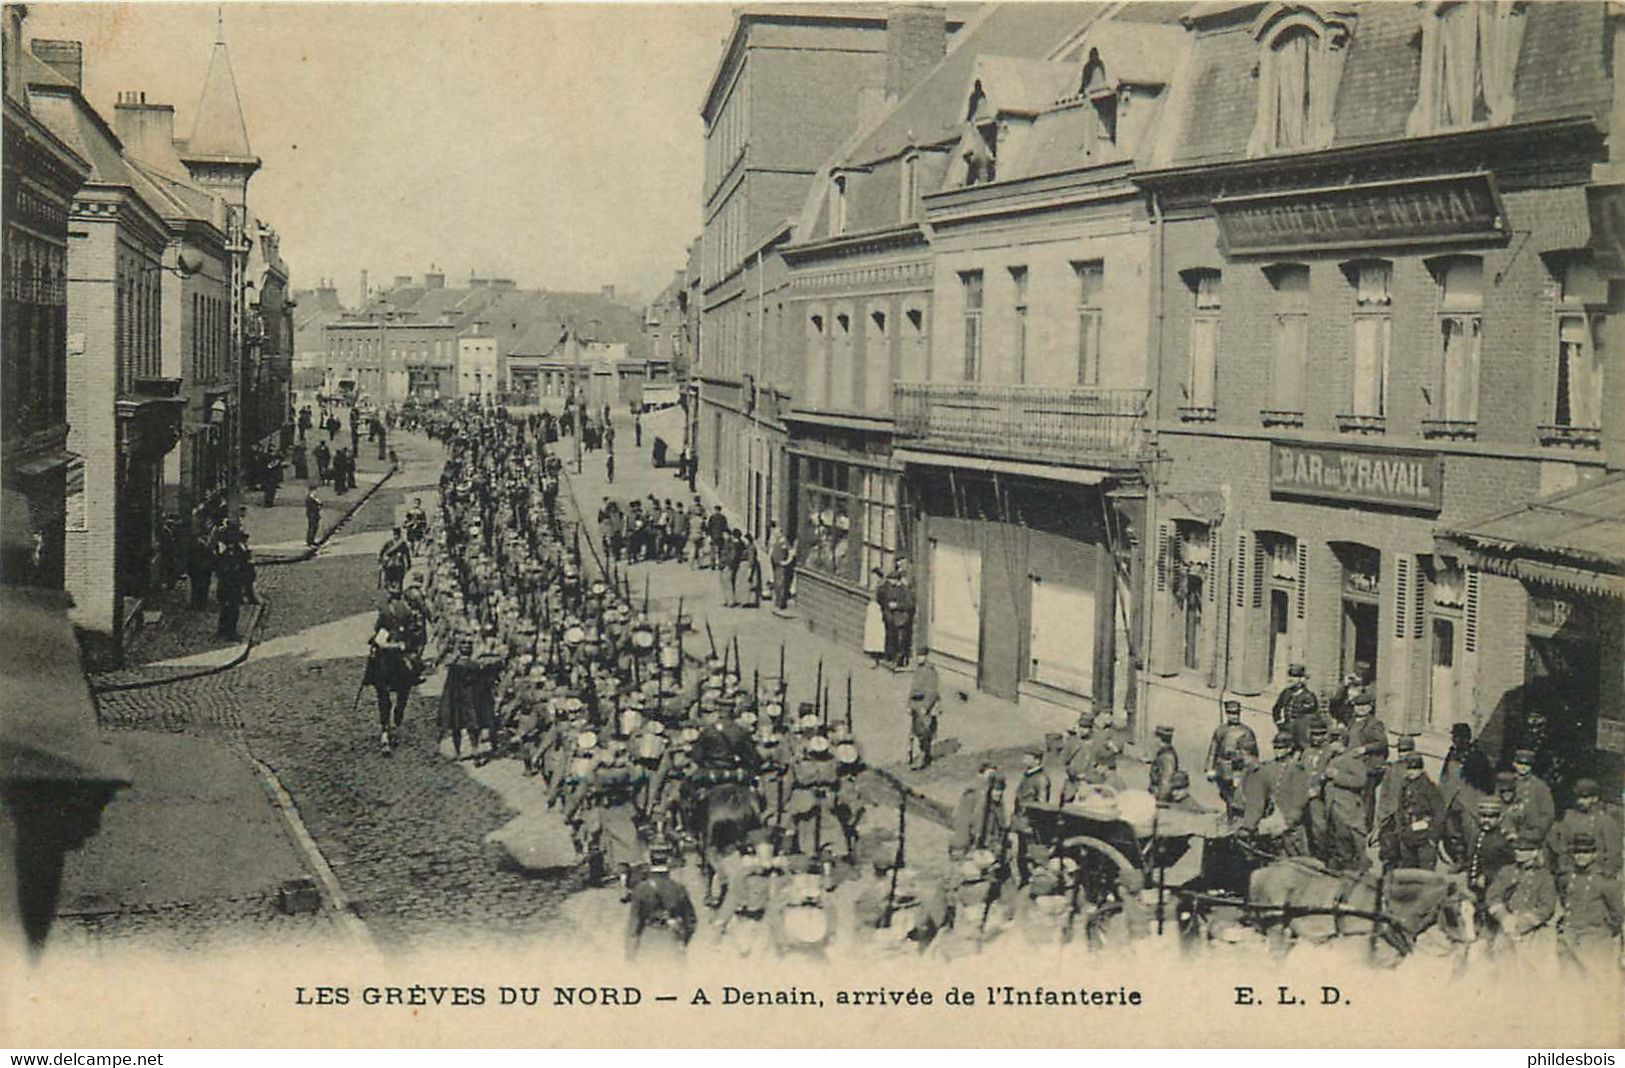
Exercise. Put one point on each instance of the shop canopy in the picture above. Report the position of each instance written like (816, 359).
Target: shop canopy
(1574, 539)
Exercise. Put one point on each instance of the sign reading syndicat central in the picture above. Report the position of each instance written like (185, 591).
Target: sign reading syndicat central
(1413, 480)
(1445, 209)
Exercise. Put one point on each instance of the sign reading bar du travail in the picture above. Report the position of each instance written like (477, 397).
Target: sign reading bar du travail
(1412, 480)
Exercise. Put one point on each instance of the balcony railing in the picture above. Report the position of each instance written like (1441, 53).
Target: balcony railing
(1076, 426)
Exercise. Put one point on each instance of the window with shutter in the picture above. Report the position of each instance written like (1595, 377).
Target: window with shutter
(1260, 555)
(1303, 579)
(1242, 570)
(1419, 604)
(1402, 591)
(1470, 610)
(1162, 557)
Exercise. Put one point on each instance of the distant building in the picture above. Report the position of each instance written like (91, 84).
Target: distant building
(490, 339)
(793, 82)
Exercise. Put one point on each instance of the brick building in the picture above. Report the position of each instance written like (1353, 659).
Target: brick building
(793, 82)
(42, 176)
(124, 413)
(1386, 309)
(196, 295)
(1024, 437)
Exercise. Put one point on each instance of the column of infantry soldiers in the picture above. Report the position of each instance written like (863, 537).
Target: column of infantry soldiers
(551, 661)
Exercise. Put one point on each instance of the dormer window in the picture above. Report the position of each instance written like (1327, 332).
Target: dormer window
(837, 204)
(979, 153)
(1469, 64)
(979, 145)
(1299, 66)
(1101, 130)
(910, 194)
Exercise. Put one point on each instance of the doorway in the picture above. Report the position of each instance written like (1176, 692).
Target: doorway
(1195, 595)
(1279, 615)
(1443, 692)
(1359, 636)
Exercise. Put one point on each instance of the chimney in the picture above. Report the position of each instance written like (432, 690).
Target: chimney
(476, 282)
(916, 41)
(147, 130)
(607, 292)
(402, 281)
(67, 58)
(507, 285)
(434, 278)
(362, 299)
(15, 87)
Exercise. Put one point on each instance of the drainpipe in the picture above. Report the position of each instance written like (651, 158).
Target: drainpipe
(1142, 688)
(756, 382)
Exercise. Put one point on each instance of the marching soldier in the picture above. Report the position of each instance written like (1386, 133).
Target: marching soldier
(1523, 898)
(742, 922)
(1586, 818)
(1531, 794)
(1230, 738)
(979, 822)
(661, 919)
(924, 710)
(814, 782)
(1275, 795)
(393, 560)
(1164, 762)
(1409, 836)
(1590, 927)
(1483, 850)
(1297, 708)
(1034, 788)
(393, 663)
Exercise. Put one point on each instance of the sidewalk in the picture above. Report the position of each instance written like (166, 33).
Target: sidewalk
(278, 532)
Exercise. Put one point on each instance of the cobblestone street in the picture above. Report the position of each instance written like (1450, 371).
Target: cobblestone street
(404, 836)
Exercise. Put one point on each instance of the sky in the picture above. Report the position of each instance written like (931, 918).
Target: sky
(557, 144)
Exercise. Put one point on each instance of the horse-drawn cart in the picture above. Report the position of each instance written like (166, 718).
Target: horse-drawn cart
(1216, 881)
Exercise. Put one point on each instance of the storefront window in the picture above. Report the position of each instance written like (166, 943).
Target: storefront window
(849, 522)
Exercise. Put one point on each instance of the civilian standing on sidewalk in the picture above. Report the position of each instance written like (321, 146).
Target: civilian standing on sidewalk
(875, 631)
(696, 533)
(753, 574)
(716, 531)
(725, 550)
(784, 572)
(313, 515)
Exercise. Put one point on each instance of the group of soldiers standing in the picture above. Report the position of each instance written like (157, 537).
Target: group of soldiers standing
(1333, 789)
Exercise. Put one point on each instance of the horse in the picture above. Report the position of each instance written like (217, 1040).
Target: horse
(1313, 904)
(722, 815)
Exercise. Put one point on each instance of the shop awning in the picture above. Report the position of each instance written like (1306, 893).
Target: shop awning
(1077, 476)
(48, 729)
(1204, 506)
(1574, 539)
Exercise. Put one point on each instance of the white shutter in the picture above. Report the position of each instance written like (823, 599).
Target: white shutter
(1242, 570)
(1302, 592)
(1163, 549)
(1402, 593)
(1470, 612)
(1261, 557)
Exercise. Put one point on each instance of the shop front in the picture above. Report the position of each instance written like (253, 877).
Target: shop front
(1026, 584)
(1333, 563)
(850, 525)
(1567, 553)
